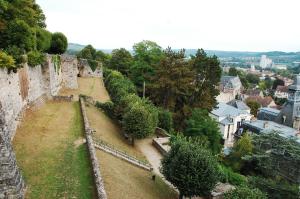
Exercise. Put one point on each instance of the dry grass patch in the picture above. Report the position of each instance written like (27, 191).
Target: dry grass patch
(50, 163)
(108, 131)
(90, 86)
(125, 181)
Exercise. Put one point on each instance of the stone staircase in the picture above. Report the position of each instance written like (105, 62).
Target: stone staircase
(101, 145)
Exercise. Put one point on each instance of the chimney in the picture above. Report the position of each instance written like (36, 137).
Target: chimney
(266, 124)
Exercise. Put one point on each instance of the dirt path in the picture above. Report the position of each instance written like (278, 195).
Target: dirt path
(152, 155)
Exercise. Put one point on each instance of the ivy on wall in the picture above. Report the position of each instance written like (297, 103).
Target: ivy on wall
(56, 62)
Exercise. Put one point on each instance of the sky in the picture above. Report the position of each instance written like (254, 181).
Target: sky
(237, 25)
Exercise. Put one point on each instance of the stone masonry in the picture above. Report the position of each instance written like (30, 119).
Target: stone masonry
(18, 90)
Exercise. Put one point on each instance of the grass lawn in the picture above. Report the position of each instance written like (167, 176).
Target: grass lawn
(125, 181)
(52, 164)
(108, 131)
(90, 86)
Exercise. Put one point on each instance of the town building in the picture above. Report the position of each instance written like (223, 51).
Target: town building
(230, 121)
(265, 62)
(281, 92)
(230, 87)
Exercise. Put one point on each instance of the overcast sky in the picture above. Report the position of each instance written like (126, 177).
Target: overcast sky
(243, 25)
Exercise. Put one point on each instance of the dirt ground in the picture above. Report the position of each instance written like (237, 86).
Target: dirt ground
(125, 181)
(53, 167)
(90, 86)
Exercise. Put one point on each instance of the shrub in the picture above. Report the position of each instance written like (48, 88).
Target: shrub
(6, 61)
(43, 40)
(245, 193)
(275, 189)
(59, 43)
(108, 107)
(35, 58)
(227, 175)
(17, 54)
(165, 120)
(93, 64)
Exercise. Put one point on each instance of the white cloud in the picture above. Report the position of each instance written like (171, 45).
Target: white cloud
(253, 25)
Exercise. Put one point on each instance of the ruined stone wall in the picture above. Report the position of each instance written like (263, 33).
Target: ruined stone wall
(17, 91)
(69, 71)
(86, 71)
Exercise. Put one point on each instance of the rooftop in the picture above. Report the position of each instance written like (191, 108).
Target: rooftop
(224, 110)
(268, 126)
(231, 81)
(271, 111)
(238, 104)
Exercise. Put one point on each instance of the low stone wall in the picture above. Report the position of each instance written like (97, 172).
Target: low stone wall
(60, 98)
(160, 144)
(96, 167)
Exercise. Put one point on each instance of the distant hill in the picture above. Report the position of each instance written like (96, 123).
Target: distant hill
(73, 48)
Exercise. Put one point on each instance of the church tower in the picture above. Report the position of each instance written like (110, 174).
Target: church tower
(290, 113)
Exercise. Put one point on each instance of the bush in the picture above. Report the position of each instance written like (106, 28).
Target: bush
(245, 193)
(275, 189)
(6, 61)
(93, 64)
(43, 40)
(108, 108)
(35, 58)
(17, 54)
(59, 43)
(227, 175)
(165, 120)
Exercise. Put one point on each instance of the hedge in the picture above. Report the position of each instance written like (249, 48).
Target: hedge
(139, 116)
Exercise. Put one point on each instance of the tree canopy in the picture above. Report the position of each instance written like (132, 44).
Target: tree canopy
(190, 168)
(59, 43)
(121, 60)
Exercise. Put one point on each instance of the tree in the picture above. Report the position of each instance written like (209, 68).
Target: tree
(200, 124)
(254, 106)
(59, 43)
(102, 57)
(190, 168)
(165, 120)
(277, 82)
(43, 40)
(207, 79)
(147, 55)
(121, 60)
(88, 52)
(233, 71)
(251, 78)
(172, 85)
(245, 193)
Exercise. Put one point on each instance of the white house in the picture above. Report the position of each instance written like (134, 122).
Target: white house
(230, 121)
(230, 86)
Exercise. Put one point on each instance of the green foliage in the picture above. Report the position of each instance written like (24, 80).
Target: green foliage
(103, 58)
(35, 58)
(108, 107)
(200, 124)
(121, 60)
(251, 78)
(190, 168)
(43, 40)
(59, 43)
(207, 78)
(56, 62)
(277, 82)
(165, 120)
(228, 176)
(233, 72)
(274, 188)
(93, 64)
(147, 55)
(240, 149)
(245, 193)
(88, 52)
(139, 116)
(6, 61)
(254, 106)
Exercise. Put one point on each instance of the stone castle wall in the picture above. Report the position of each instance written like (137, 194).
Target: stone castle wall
(17, 91)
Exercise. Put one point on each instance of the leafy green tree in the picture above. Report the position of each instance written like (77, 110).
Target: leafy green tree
(253, 79)
(88, 52)
(245, 193)
(43, 40)
(233, 72)
(102, 57)
(207, 78)
(277, 82)
(190, 168)
(165, 120)
(200, 124)
(121, 60)
(35, 58)
(6, 61)
(147, 55)
(59, 43)
(172, 85)
(254, 106)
